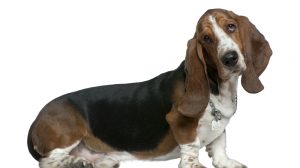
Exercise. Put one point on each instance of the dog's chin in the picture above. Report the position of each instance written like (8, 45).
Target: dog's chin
(237, 72)
(229, 73)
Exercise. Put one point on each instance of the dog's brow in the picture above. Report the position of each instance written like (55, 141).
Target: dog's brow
(225, 42)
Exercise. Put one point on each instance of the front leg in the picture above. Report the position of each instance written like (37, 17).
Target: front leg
(184, 131)
(189, 153)
(217, 150)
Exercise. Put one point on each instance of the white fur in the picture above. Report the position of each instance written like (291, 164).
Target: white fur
(217, 150)
(64, 157)
(226, 43)
(189, 155)
(225, 102)
(111, 159)
(60, 157)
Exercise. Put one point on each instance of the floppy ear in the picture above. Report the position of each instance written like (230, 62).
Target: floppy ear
(257, 54)
(196, 94)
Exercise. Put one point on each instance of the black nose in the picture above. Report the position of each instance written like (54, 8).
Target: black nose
(230, 58)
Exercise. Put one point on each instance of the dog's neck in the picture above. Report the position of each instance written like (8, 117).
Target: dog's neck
(226, 99)
(228, 89)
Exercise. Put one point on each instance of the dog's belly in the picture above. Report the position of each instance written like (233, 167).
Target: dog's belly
(205, 134)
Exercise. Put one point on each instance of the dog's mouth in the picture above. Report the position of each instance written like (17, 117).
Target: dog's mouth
(239, 69)
(227, 73)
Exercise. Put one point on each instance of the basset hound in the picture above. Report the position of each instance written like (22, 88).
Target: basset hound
(170, 116)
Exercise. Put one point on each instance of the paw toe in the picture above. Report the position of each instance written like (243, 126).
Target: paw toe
(116, 165)
(228, 164)
(80, 164)
(242, 166)
(198, 166)
(88, 166)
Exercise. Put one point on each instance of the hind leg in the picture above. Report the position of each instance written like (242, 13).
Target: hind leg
(61, 158)
(65, 162)
(97, 159)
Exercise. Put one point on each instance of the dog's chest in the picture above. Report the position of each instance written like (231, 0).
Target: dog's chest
(207, 134)
(215, 118)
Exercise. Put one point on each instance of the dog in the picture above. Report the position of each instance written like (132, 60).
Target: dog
(170, 116)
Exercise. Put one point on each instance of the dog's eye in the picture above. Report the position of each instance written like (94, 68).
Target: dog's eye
(231, 28)
(207, 39)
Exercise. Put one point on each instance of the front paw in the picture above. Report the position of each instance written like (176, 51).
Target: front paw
(190, 163)
(228, 163)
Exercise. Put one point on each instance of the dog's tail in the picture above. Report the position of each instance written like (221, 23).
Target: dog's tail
(33, 153)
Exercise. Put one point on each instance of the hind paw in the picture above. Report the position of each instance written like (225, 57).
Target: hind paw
(80, 164)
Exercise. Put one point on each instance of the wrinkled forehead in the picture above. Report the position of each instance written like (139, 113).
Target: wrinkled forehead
(221, 16)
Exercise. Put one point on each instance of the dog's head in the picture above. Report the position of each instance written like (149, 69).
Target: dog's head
(224, 45)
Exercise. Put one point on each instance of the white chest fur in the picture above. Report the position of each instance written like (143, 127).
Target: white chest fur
(225, 102)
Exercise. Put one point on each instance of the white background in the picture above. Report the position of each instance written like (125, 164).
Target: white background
(48, 48)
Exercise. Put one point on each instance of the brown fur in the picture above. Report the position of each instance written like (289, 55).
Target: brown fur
(183, 118)
(183, 128)
(196, 96)
(257, 54)
(95, 144)
(211, 56)
(56, 129)
(252, 43)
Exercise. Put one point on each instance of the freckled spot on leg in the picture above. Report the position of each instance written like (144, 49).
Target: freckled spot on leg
(191, 159)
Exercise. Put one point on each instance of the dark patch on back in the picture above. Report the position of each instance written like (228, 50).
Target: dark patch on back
(129, 117)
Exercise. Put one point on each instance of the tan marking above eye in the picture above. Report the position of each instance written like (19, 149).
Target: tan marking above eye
(225, 22)
(207, 35)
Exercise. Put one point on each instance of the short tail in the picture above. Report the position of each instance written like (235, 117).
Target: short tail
(33, 153)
